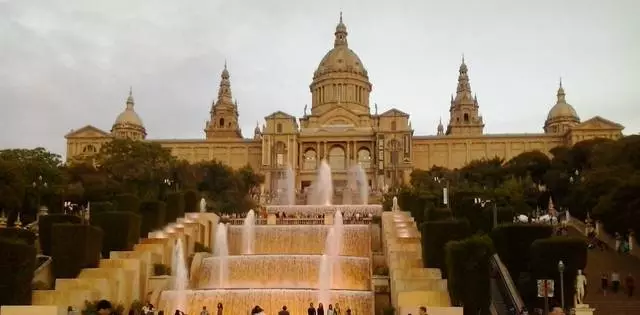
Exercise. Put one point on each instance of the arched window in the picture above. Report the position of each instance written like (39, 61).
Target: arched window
(364, 158)
(222, 122)
(279, 128)
(281, 153)
(310, 160)
(337, 158)
(393, 126)
(395, 148)
(466, 117)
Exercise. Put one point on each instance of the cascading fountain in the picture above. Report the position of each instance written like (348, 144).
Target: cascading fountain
(322, 193)
(180, 274)
(362, 183)
(248, 233)
(221, 252)
(289, 187)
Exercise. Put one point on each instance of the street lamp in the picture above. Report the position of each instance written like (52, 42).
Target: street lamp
(38, 185)
(561, 271)
(445, 190)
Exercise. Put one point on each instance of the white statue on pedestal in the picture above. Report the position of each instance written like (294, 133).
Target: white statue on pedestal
(203, 205)
(395, 206)
(581, 284)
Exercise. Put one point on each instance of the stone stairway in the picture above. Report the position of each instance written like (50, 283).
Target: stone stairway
(599, 262)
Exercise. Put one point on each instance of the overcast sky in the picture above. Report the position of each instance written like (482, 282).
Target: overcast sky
(65, 64)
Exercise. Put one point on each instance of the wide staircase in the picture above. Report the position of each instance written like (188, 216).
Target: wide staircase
(604, 262)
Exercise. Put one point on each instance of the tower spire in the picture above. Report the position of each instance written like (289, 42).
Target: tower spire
(224, 92)
(130, 101)
(561, 95)
(341, 33)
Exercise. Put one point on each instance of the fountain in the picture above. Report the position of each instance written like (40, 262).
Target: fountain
(288, 189)
(221, 252)
(322, 193)
(249, 233)
(362, 184)
(180, 274)
(329, 269)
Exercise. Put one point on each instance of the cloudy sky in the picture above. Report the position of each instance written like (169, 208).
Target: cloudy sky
(68, 63)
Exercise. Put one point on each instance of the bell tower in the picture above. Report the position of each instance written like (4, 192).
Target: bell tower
(224, 112)
(464, 116)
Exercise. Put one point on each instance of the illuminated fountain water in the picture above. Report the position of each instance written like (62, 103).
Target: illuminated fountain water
(180, 274)
(322, 193)
(287, 188)
(329, 269)
(248, 233)
(221, 252)
(362, 183)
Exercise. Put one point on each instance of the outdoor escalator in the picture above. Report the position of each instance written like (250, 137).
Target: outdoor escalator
(505, 298)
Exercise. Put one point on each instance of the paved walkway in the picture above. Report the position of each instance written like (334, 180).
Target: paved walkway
(599, 262)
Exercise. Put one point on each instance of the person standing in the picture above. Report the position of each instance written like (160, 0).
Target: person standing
(337, 310)
(284, 311)
(423, 310)
(615, 281)
(320, 310)
(630, 284)
(330, 310)
(311, 310)
(604, 283)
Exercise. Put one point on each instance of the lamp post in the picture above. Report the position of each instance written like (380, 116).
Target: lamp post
(561, 267)
(38, 185)
(445, 190)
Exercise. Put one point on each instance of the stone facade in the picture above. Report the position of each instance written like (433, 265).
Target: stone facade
(342, 127)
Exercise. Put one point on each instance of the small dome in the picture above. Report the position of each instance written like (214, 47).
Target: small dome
(128, 117)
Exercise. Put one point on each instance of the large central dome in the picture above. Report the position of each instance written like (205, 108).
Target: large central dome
(340, 78)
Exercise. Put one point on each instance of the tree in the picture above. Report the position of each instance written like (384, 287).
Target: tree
(12, 186)
(229, 190)
(531, 163)
(141, 167)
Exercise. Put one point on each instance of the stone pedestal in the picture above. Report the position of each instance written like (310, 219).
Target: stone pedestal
(583, 309)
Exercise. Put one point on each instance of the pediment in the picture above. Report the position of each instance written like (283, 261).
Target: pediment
(394, 112)
(339, 116)
(87, 131)
(279, 115)
(598, 122)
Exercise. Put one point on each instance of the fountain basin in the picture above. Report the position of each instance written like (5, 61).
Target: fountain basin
(325, 209)
(301, 240)
(285, 272)
(241, 301)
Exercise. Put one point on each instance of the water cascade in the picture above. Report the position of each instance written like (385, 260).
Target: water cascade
(329, 269)
(180, 274)
(248, 234)
(221, 252)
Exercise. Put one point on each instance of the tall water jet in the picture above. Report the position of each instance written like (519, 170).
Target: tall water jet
(180, 274)
(325, 280)
(328, 266)
(249, 233)
(221, 251)
(362, 183)
(323, 187)
(288, 193)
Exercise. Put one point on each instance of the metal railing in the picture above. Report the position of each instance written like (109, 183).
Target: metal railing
(300, 221)
(512, 294)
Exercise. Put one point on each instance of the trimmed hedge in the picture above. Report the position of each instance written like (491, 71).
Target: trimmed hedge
(513, 241)
(175, 206)
(102, 206)
(128, 202)
(153, 213)
(469, 272)
(121, 230)
(437, 214)
(436, 234)
(17, 264)
(191, 201)
(45, 224)
(20, 234)
(547, 253)
(75, 246)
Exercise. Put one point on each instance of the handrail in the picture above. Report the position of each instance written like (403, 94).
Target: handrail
(602, 235)
(513, 293)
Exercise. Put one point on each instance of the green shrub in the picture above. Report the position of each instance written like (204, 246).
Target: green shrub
(45, 224)
(128, 202)
(17, 264)
(191, 201)
(121, 230)
(546, 253)
(74, 247)
(175, 207)
(512, 243)
(153, 213)
(102, 206)
(468, 273)
(435, 235)
(16, 233)
(437, 214)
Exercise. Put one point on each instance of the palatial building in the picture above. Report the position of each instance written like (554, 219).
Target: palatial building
(342, 127)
